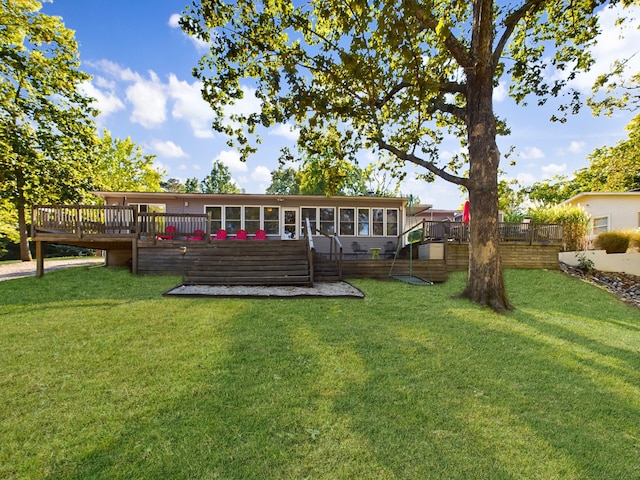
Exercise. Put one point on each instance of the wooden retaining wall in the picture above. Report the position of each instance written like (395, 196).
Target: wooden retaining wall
(433, 270)
(513, 256)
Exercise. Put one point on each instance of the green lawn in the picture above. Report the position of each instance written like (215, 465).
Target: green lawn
(103, 378)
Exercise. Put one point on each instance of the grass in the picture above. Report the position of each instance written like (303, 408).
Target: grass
(102, 378)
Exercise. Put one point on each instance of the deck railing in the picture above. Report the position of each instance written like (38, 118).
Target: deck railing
(174, 226)
(80, 220)
(525, 232)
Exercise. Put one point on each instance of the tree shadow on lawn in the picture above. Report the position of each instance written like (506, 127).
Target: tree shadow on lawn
(333, 391)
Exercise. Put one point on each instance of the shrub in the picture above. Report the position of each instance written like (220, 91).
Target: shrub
(613, 242)
(634, 240)
(574, 221)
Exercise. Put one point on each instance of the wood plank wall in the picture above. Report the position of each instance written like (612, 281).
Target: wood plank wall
(513, 256)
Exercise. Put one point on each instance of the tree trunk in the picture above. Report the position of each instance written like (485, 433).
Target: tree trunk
(25, 252)
(485, 284)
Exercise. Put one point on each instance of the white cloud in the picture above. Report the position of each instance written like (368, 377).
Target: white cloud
(261, 174)
(200, 45)
(168, 149)
(247, 105)
(232, 160)
(173, 20)
(190, 106)
(614, 44)
(149, 101)
(532, 153)
(107, 101)
(552, 169)
(576, 147)
(525, 179)
(500, 92)
(286, 130)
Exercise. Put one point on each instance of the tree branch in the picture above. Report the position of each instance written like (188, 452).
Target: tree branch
(454, 47)
(510, 24)
(409, 157)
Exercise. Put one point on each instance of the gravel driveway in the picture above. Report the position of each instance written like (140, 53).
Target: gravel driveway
(10, 271)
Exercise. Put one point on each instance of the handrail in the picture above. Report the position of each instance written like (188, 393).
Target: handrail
(310, 247)
(334, 241)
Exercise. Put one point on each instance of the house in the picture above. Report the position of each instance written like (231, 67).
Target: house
(269, 239)
(609, 211)
(372, 220)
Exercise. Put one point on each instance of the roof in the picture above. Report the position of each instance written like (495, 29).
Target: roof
(578, 197)
(262, 198)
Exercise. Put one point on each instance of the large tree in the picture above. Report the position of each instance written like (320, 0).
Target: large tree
(46, 127)
(397, 75)
(122, 167)
(219, 180)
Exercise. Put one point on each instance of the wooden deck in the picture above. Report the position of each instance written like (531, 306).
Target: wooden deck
(135, 239)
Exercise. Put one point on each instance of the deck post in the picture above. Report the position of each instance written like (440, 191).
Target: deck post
(134, 256)
(39, 259)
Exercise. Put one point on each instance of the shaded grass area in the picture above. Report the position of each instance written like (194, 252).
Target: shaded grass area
(101, 377)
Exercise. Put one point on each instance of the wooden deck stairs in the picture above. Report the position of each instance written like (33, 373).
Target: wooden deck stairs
(325, 270)
(274, 262)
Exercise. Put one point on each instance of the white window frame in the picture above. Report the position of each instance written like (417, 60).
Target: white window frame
(596, 229)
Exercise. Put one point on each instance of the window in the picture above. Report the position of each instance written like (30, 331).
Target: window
(363, 222)
(272, 220)
(232, 219)
(392, 222)
(216, 217)
(150, 207)
(328, 220)
(252, 219)
(347, 221)
(309, 213)
(378, 221)
(600, 225)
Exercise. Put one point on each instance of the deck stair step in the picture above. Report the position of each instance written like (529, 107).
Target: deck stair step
(233, 262)
(325, 270)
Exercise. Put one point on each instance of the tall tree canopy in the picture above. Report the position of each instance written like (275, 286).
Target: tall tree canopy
(121, 167)
(219, 180)
(398, 76)
(46, 129)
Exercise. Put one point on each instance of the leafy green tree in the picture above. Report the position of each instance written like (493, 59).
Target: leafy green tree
(617, 168)
(122, 167)
(219, 180)
(173, 185)
(284, 181)
(192, 185)
(398, 76)
(46, 127)
(8, 225)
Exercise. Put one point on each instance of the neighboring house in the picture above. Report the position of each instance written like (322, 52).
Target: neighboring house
(609, 211)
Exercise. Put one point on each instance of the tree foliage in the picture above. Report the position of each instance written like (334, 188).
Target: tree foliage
(122, 167)
(284, 181)
(397, 76)
(47, 133)
(219, 180)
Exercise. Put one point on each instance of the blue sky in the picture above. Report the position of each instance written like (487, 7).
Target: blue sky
(141, 64)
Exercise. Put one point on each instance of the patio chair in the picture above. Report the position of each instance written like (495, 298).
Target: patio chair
(221, 234)
(261, 235)
(359, 249)
(169, 230)
(241, 234)
(389, 250)
(197, 235)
